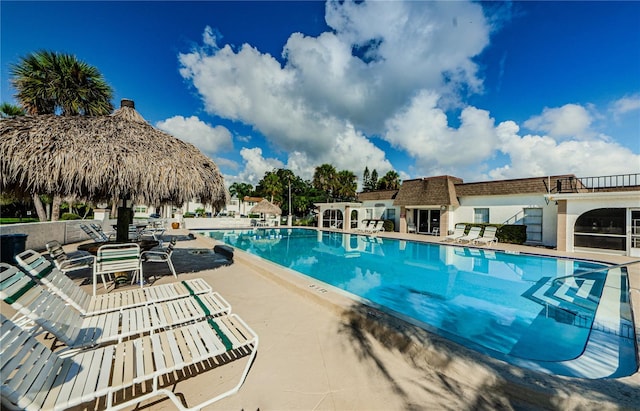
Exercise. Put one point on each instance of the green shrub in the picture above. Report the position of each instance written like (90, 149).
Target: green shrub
(512, 234)
(70, 216)
(188, 215)
(389, 225)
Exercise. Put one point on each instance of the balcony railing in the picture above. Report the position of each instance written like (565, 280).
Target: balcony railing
(620, 182)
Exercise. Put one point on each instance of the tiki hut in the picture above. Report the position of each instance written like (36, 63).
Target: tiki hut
(267, 208)
(105, 158)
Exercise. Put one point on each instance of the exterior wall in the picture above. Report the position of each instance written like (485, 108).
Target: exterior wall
(503, 208)
(445, 223)
(563, 228)
(219, 222)
(377, 212)
(578, 206)
(39, 234)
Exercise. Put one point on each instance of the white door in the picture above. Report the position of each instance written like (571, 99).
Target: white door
(634, 233)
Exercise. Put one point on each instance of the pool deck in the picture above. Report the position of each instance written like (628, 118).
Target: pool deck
(320, 350)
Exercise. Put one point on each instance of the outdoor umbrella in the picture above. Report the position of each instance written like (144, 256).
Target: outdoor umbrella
(266, 207)
(105, 158)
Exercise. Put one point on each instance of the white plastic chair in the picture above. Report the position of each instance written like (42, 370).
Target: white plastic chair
(40, 269)
(114, 258)
(163, 256)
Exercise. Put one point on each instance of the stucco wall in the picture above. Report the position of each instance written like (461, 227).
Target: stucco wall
(576, 207)
(39, 234)
(503, 208)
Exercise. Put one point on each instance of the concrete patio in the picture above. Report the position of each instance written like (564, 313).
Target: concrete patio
(320, 350)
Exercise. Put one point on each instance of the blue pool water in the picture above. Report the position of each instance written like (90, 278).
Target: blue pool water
(494, 302)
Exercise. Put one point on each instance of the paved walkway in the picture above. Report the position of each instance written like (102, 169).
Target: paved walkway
(322, 351)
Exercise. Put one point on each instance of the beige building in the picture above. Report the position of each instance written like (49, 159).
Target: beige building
(600, 214)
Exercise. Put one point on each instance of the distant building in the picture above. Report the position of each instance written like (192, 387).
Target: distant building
(599, 214)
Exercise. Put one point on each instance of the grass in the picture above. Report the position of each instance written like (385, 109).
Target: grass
(14, 220)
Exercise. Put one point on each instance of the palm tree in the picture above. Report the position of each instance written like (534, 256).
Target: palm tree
(324, 179)
(56, 83)
(270, 185)
(346, 185)
(390, 181)
(240, 191)
(11, 110)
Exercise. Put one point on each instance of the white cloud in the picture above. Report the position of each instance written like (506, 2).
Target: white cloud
(625, 105)
(568, 121)
(533, 155)
(391, 70)
(255, 166)
(422, 130)
(323, 100)
(195, 131)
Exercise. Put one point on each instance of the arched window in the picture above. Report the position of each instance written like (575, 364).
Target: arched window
(601, 228)
(332, 218)
(354, 218)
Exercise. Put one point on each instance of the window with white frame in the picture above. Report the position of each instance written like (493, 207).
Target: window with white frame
(480, 215)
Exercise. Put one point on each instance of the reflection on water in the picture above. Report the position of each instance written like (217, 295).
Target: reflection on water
(481, 298)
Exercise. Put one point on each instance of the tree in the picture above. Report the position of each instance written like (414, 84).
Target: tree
(346, 185)
(324, 179)
(240, 191)
(366, 177)
(56, 83)
(390, 181)
(271, 186)
(372, 183)
(10, 110)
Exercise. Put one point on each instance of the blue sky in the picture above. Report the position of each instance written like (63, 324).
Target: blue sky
(480, 91)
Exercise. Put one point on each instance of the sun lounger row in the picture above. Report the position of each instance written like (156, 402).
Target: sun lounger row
(135, 339)
(35, 378)
(473, 236)
(370, 227)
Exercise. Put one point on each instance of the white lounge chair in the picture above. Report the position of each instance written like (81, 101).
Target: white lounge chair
(97, 236)
(41, 270)
(164, 256)
(458, 232)
(411, 228)
(51, 313)
(488, 236)
(35, 378)
(377, 227)
(474, 232)
(364, 225)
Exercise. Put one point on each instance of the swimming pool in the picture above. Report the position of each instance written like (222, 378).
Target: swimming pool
(525, 309)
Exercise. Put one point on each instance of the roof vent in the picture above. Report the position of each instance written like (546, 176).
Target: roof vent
(125, 102)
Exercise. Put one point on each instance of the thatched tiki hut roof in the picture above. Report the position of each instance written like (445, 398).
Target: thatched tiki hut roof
(104, 158)
(266, 207)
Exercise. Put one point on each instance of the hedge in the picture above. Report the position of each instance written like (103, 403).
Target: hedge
(507, 233)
